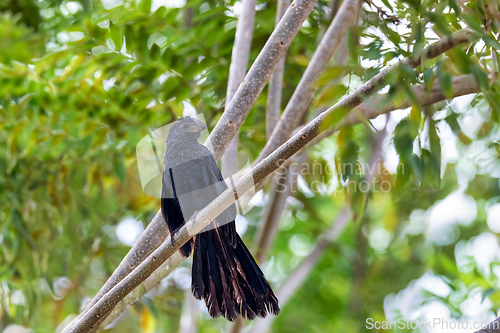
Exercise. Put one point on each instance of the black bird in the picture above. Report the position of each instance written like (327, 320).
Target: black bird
(224, 272)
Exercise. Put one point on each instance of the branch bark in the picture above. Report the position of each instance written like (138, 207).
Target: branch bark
(303, 95)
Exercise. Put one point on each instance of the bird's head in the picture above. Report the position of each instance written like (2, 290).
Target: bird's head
(187, 128)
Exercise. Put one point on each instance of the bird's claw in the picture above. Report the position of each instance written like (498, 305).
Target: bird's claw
(193, 217)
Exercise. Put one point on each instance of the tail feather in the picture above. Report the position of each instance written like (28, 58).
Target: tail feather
(213, 296)
(228, 305)
(227, 277)
(199, 258)
(249, 269)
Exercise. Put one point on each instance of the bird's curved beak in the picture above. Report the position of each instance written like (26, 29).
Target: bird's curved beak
(200, 126)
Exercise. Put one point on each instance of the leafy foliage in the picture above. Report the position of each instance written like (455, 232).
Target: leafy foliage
(81, 82)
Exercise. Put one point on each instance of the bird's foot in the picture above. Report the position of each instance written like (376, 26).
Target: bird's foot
(193, 217)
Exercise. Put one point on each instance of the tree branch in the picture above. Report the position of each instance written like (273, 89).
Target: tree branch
(461, 85)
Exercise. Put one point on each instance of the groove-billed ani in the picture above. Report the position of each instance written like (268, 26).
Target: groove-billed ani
(224, 272)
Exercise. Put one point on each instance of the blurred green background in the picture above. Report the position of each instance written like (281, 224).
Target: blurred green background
(81, 82)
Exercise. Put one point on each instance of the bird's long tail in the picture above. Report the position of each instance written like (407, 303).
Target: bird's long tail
(228, 278)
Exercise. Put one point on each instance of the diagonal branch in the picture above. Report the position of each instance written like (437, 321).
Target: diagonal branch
(259, 172)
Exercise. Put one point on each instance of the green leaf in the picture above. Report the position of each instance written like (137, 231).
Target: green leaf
(491, 42)
(119, 167)
(495, 106)
(417, 167)
(129, 38)
(145, 6)
(446, 82)
(473, 22)
(431, 169)
(452, 121)
(487, 293)
(404, 135)
(481, 77)
(335, 117)
(429, 79)
(116, 35)
(155, 52)
(453, 5)
(435, 149)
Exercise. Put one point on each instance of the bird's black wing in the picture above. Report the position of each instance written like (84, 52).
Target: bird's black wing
(171, 211)
(188, 188)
